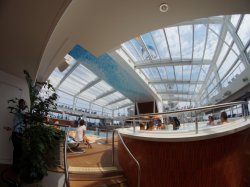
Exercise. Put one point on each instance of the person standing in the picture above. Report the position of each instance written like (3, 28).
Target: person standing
(17, 131)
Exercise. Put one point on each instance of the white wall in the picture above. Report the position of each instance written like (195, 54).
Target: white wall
(10, 87)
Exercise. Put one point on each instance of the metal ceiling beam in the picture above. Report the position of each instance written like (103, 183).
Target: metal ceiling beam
(126, 105)
(67, 74)
(178, 100)
(210, 20)
(104, 95)
(176, 93)
(116, 101)
(174, 82)
(161, 63)
(90, 84)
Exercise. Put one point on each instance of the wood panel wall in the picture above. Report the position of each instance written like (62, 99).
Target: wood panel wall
(217, 162)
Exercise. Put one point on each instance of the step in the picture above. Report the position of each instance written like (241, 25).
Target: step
(90, 173)
(96, 177)
(122, 182)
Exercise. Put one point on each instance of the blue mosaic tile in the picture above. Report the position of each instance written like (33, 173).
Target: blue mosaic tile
(111, 72)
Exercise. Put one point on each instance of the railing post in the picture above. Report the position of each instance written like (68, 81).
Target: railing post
(196, 123)
(245, 106)
(134, 125)
(113, 148)
(107, 136)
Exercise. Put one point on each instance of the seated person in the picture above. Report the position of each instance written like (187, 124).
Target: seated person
(142, 126)
(223, 118)
(210, 120)
(160, 125)
(175, 122)
(80, 133)
(151, 126)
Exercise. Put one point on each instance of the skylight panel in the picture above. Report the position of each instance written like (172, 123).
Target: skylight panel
(55, 77)
(151, 73)
(70, 86)
(120, 104)
(130, 50)
(104, 86)
(202, 76)
(222, 54)
(64, 99)
(82, 75)
(195, 72)
(212, 41)
(185, 87)
(205, 68)
(81, 104)
(161, 43)
(170, 72)
(113, 97)
(180, 87)
(236, 70)
(139, 47)
(87, 96)
(244, 29)
(173, 41)
(199, 40)
(236, 49)
(191, 88)
(178, 72)
(227, 64)
(228, 38)
(186, 37)
(163, 72)
(88, 75)
(186, 72)
(235, 19)
(171, 87)
(198, 87)
(215, 28)
(95, 90)
(101, 102)
(150, 45)
(160, 87)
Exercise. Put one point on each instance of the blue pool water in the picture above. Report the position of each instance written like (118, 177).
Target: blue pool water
(100, 135)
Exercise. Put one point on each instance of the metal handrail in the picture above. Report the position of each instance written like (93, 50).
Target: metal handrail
(65, 162)
(198, 109)
(130, 154)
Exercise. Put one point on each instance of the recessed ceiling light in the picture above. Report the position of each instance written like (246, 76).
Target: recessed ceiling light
(163, 7)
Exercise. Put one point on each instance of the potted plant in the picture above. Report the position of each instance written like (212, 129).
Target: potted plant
(40, 140)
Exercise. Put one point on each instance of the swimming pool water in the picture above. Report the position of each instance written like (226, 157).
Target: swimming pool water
(100, 135)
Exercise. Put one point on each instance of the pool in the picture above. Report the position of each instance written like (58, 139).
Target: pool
(99, 135)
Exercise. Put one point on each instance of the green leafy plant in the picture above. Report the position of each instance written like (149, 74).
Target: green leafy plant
(40, 140)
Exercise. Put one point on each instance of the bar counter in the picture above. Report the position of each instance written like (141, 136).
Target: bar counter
(215, 157)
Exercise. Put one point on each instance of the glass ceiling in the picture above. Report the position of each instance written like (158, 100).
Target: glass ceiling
(188, 62)
(82, 84)
(192, 61)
